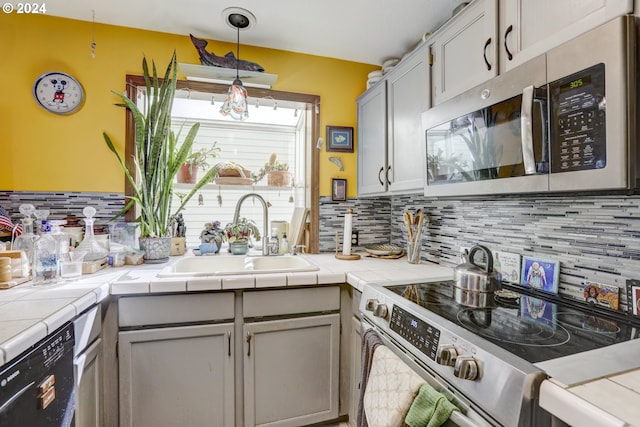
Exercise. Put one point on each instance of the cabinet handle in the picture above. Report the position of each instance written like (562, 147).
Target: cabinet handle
(379, 174)
(248, 344)
(387, 175)
(229, 343)
(506, 48)
(484, 53)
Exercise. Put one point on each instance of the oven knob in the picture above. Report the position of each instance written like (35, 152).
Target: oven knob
(381, 311)
(466, 368)
(446, 355)
(371, 304)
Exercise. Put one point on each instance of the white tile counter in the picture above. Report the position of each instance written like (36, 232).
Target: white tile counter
(29, 313)
(606, 402)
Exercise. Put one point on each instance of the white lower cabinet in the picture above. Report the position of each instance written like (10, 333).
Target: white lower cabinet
(87, 369)
(291, 371)
(177, 376)
(254, 358)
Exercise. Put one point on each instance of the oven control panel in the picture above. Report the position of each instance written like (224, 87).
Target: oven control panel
(419, 333)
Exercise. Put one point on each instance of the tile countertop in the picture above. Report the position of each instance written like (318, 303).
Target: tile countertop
(29, 313)
(605, 402)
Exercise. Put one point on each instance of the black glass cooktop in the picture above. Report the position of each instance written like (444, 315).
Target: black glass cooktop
(530, 326)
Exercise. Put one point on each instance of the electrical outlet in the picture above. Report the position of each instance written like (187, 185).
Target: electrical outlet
(355, 238)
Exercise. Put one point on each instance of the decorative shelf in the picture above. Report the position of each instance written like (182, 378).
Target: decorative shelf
(210, 74)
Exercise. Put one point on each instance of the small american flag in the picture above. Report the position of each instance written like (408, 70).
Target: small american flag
(6, 224)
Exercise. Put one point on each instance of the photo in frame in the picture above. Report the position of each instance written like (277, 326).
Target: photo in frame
(338, 190)
(541, 274)
(340, 138)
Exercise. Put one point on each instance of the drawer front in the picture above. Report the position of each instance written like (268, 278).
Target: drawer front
(282, 302)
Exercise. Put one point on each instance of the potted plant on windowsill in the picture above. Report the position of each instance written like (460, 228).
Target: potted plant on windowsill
(198, 159)
(157, 160)
(239, 234)
(277, 172)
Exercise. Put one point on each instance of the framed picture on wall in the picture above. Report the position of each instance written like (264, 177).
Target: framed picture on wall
(340, 138)
(338, 190)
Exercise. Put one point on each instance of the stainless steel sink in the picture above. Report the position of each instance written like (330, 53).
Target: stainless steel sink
(228, 265)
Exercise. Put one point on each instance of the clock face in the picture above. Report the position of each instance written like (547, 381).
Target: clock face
(58, 93)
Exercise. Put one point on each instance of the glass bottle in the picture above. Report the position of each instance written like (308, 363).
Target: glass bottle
(45, 259)
(93, 249)
(24, 242)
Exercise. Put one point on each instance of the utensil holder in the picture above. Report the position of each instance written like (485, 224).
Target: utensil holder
(414, 244)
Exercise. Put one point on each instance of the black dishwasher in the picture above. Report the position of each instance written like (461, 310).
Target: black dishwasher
(37, 388)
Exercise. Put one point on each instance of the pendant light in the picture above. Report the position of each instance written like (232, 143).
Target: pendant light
(236, 103)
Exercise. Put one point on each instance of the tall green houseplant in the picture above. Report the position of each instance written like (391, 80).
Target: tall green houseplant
(158, 156)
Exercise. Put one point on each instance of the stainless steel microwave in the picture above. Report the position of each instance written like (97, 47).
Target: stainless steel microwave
(563, 121)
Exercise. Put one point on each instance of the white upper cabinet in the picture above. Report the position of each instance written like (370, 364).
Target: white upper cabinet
(530, 28)
(390, 135)
(465, 50)
(372, 141)
(408, 95)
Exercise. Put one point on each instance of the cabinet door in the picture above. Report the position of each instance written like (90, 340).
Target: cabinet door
(408, 95)
(372, 141)
(356, 364)
(179, 376)
(465, 50)
(530, 28)
(87, 371)
(291, 371)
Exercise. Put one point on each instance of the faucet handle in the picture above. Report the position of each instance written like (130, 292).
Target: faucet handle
(295, 248)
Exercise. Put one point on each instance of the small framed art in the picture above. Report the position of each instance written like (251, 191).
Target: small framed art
(541, 274)
(338, 190)
(601, 294)
(340, 138)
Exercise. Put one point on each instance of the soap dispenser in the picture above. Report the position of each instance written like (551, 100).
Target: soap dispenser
(284, 244)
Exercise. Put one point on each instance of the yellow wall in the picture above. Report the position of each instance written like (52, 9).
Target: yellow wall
(48, 152)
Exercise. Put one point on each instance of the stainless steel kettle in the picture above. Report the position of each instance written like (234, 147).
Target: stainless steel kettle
(475, 284)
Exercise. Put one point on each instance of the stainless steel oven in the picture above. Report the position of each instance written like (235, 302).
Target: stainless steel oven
(563, 121)
(491, 361)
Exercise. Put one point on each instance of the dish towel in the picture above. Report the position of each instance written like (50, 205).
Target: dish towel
(391, 387)
(429, 409)
(370, 340)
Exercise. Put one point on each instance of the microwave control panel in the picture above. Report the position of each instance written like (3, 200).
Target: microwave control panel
(578, 112)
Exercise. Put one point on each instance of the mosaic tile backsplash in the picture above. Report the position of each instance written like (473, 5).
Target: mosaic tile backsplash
(595, 238)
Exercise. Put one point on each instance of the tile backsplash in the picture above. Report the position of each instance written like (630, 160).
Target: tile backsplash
(595, 238)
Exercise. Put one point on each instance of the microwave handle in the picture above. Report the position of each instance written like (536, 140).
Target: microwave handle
(526, 131)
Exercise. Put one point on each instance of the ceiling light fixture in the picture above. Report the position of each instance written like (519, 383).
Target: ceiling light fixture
(236, 103)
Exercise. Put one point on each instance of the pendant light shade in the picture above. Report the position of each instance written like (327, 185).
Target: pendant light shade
(236, 103)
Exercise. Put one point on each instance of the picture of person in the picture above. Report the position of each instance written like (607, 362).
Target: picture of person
(536, 277)
(591, 294)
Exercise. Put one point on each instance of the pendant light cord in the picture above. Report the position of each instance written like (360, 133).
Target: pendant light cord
(238, 55)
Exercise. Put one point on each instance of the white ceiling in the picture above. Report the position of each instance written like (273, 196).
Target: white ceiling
(368, 31)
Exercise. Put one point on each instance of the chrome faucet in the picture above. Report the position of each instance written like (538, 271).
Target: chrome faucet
(265, 217)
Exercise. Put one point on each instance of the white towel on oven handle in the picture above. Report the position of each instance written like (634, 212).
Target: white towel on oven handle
(391, 388)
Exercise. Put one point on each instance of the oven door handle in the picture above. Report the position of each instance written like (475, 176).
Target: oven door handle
(526, 130)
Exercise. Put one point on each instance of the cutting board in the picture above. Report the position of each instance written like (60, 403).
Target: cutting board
(296, 229)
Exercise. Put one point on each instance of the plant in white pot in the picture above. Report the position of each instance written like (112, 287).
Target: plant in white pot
(157, 160)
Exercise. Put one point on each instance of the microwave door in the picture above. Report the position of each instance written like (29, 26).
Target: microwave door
(591, 92)
(498, 147)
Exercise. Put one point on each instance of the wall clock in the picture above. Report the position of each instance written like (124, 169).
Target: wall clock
(58, 93)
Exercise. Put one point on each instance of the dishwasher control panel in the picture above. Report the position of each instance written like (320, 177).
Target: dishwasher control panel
(419, 333)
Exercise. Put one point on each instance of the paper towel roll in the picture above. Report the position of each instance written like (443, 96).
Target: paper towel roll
(348, 224)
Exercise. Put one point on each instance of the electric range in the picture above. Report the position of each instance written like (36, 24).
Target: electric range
(495, 358)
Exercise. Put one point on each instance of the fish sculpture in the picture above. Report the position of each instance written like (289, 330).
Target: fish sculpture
(227, 61)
